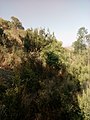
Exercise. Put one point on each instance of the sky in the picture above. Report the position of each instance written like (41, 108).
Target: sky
(63, 17)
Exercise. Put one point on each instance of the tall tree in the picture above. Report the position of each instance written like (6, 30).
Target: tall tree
(16, 23)
(79, 45)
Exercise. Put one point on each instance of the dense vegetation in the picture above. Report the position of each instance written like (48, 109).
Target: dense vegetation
(40, 79)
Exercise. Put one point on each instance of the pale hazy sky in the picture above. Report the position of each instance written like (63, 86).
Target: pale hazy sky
(63, 17)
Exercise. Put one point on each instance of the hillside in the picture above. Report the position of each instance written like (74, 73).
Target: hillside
(39, 79)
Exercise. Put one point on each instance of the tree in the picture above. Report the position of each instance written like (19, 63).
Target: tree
(79, 45)
(81, 33)
(88, 39)
(16, 23)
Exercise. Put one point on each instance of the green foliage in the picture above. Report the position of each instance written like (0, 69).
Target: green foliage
(88, 39)
(39, 79)
(52, 59)
(82, 32)
(81, 68)
(84, 102)
(79, 45)
(46, 96)
(27, 43)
